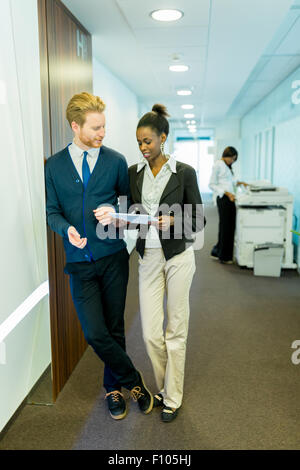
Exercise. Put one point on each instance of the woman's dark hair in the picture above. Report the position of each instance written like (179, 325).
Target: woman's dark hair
(230, 152)
(156, 119)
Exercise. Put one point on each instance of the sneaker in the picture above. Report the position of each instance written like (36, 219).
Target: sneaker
(141, 394)
(169, 414)
(226, 262)
(214, 257)
(158, 400)
(116, 404)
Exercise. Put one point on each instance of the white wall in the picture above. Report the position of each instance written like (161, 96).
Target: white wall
(227, 134)
(122, 115)
(23, 228)
(121, 112)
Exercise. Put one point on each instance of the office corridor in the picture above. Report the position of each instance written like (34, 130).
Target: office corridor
(241, 388)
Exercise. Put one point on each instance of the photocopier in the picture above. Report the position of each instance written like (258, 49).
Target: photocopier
(264, 220)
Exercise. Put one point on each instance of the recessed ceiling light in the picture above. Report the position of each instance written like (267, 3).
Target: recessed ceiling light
(193, 122)
(178, 68)
(189, 116)
(166, 15)
(187, 106)
(193, 130)
(184, 92)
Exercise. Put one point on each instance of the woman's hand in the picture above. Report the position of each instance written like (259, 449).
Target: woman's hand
(230, 196)
(243, 183)
(164, 222)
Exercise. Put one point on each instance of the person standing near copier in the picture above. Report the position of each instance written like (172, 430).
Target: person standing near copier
(223, 183)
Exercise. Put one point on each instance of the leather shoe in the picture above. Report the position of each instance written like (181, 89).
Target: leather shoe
(169, 414)
(116, 404)
(142, 395)
(158, 400)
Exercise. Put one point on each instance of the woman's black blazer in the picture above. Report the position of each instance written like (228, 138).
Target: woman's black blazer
(181, 198)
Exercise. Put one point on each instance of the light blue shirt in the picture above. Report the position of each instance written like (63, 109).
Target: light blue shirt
(77, 157)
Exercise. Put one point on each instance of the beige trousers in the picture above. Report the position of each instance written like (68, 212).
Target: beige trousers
(166, 349)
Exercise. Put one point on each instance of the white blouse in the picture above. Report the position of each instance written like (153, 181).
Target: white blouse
(221, 180)
(153, 187)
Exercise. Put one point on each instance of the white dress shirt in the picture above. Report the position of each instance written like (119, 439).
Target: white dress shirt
(76, 154)
(153, 188)
(221, 180)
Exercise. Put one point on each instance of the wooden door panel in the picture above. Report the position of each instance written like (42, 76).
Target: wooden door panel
(66, 69)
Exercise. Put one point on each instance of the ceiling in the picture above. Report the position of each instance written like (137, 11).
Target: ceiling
(237, 51)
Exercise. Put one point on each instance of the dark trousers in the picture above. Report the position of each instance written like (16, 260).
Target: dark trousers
(98, 290)
(227, 217)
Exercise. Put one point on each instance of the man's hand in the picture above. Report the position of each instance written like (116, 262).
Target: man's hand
(102, 215)
(75, 239)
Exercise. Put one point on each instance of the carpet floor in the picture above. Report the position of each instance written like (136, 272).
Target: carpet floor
(241, 387)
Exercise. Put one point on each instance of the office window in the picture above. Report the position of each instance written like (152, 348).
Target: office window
(196, 153)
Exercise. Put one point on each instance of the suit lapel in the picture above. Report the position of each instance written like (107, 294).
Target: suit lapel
(171, 186)
(139, 183)
(72, 169)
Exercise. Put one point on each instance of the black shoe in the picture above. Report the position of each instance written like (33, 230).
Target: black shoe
(229, 261)
(214, 253)
(158, 400)
(116, 404)
(142, 395)
(168, 414)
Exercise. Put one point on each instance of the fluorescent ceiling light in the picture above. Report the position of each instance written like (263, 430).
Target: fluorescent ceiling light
(184, 92)
(178, 68)
(166, 15)
(189, 116)
(187, 106)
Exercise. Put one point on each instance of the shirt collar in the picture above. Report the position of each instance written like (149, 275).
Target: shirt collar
(171, 163)
(93, 152)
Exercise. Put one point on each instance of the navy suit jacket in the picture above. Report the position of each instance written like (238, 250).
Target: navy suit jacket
(68, 204)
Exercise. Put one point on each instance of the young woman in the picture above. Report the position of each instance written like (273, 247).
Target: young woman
(163, 186)
(223, 183)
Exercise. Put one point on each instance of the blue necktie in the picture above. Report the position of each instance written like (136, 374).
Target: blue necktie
(85, 170)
